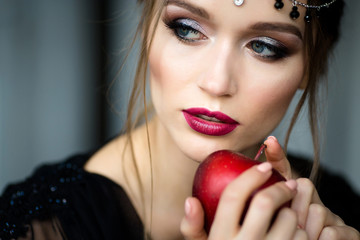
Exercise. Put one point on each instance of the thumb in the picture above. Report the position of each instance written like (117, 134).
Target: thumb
(276, 156)
(192, 225)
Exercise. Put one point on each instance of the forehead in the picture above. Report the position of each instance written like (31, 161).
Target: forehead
(249, 13)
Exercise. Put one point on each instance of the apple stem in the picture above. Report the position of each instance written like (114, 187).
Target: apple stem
(261, 150)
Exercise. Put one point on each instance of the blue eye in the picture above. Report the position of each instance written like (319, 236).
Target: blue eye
(186, 30)
(188, 33)
(261, 48)
(268, 49)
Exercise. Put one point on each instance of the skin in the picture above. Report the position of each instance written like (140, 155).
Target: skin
(220, 70)
(224, 74)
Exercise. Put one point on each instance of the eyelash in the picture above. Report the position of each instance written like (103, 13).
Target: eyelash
(279, 51)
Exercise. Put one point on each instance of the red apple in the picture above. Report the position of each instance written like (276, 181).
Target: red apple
(216, 172)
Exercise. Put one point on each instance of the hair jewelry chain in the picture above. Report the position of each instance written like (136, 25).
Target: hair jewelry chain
(318, 7)
(294, 14)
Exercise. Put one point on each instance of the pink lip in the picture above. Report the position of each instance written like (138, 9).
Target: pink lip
(225, 125)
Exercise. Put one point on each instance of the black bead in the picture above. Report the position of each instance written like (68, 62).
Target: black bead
(307, 17)
(279, 4)
(294, 14)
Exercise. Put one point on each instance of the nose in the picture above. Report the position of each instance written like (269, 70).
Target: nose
(218, 79)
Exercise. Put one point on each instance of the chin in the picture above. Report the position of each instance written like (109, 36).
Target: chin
(200, 146)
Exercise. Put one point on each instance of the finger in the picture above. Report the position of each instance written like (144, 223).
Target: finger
(276, 156)
(300, 234)
(233, 200)
(339, 233)
(318, 218)
(192, 225)
(284, 226)
(264, 206)
(306, 194)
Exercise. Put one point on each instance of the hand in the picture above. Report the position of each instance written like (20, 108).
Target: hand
(258, 221)
(317, 220)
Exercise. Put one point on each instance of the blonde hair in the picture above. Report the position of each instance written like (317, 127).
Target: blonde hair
(137, 106)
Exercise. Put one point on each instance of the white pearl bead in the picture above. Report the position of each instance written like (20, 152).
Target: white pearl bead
(238, 2)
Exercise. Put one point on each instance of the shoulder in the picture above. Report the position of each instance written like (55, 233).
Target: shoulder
(39, 196)
(116, 162)
(107, 160)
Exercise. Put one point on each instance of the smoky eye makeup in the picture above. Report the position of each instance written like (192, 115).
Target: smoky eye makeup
(263, 41)
(185, 29)
(267, 48)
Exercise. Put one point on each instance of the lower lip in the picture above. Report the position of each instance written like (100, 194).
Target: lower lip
(208, 127)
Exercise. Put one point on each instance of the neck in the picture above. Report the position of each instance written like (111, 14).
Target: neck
(170, 182)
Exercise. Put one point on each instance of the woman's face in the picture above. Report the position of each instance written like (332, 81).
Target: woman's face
(222, 76)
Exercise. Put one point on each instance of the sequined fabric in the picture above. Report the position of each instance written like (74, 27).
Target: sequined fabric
(63, 201)
(39, 197)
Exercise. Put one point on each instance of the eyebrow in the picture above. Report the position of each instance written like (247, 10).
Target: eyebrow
(194, 9)
(278, 27)
(261, 26)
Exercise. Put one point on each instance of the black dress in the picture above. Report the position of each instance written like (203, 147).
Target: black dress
(62, 201)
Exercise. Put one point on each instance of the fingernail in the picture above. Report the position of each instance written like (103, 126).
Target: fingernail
(187, 207)
(292, 184)
(264, 167)
(272, 138)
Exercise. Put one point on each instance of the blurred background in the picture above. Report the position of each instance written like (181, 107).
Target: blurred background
(58, 58)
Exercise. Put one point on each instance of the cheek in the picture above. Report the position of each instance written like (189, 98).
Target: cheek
(271, 98)
(265, 92)
(279, 93)
(171, 70)
(166, 74)
(163, 80)
(159, 69)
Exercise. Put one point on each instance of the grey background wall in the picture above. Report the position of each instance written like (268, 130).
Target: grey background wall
(56, 58)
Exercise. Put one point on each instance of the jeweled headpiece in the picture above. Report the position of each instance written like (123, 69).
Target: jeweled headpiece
(294, 14)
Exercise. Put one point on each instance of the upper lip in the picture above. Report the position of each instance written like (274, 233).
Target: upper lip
(212, 114)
